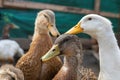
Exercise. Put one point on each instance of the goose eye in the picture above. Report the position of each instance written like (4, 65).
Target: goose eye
(89, 18)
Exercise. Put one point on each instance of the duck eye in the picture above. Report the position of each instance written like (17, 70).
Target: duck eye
(89, 18)
(51, 24)
(53, 50)
(45, 16)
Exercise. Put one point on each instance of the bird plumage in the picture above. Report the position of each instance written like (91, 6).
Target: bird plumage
(100, 28)
(70, 46)
(8, 49)
(9, 72)
(30, 63)
(6, 30)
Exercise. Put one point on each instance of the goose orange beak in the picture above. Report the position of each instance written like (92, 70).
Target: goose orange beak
(53, 30)
(54, 51)
(75, 30)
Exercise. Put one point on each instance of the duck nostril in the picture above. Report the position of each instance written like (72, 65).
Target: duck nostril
(53, 50)
(57, 35)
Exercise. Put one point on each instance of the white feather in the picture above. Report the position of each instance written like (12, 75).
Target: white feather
(8, 48)
(101, 29)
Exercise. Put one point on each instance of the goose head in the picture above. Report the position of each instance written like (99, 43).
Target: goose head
(66, 45)
(92, 24)
(45, 22)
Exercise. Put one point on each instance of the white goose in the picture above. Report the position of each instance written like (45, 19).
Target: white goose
(100, 28)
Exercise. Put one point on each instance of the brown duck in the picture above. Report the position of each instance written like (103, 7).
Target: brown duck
(6, 30)
(69, 46)
(30, 63)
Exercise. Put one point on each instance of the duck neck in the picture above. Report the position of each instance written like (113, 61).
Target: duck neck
(41, 43)
(71, 62)
(5, 34)
(109, 54)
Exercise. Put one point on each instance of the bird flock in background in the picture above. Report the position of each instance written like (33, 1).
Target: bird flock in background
(43, 60)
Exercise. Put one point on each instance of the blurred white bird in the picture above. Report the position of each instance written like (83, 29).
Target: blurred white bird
(8, 49)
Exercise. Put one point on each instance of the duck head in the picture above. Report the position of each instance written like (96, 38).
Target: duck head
(64, 45)
(6, 30)
(92, 24)
(45, 22)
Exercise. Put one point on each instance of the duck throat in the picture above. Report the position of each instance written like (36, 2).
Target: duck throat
(109, 54)
(40, 29)
(71, 63)
(41, 43)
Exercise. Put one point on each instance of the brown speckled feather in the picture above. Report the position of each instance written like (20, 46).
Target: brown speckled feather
(9, 72)
(30, 63)
(86, 74)
(70, 46)
(50, 68)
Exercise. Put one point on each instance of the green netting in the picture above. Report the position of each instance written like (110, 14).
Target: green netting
(74, 3)
(110, 6)
(64, 21)
(24, 19)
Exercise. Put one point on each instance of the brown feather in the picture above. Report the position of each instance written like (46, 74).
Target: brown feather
(70, 46)
(9, 72)
(30, 63)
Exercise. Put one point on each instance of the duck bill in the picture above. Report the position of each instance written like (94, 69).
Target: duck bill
(75, 30)
(53, 30)
(54, 51)
(15, 26)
